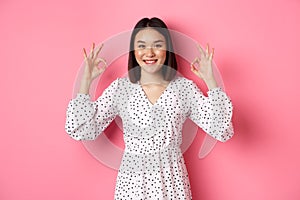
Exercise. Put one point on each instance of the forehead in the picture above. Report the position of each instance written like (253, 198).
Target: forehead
(149, 35)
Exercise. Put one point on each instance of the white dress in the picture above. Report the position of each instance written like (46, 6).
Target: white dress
(152, 165)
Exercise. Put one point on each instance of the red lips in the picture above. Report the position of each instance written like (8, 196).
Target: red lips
(150, 61)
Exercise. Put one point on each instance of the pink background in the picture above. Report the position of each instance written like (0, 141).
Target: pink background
(257, 52)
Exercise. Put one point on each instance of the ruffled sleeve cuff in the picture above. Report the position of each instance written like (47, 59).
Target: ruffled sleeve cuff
(215, 91)
(83, 96)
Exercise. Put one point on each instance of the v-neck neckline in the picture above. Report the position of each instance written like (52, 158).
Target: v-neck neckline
(159, 98)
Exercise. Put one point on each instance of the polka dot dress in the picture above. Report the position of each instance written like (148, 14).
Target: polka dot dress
(152, 165)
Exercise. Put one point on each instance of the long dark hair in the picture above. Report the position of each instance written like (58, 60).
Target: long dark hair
(170, 66)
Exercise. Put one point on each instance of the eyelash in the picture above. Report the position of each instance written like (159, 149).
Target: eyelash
(142, 46)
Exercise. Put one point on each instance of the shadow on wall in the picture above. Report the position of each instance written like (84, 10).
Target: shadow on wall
(250, 120)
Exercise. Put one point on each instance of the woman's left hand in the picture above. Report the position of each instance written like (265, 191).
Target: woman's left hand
(204, 69)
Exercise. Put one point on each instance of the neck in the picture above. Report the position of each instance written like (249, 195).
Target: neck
(151, 78)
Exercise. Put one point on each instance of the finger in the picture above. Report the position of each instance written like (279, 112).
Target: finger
(104, 61)
(98, 50)
(101, 70)
(194, 69)
(212, 54)
(92, 50)
(202, 53)
(196, 60)
(101, 60)
(207, 49)
(84, 53)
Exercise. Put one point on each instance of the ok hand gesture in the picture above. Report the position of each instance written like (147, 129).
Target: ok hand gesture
(91, 68)
(92, 61)
(204, 69)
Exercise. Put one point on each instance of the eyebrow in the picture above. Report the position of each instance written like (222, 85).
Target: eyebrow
(141, 41)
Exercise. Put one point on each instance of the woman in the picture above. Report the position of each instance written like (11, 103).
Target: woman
(153, 102)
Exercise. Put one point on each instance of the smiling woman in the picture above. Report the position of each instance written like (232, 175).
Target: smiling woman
(153, 103)
(149, 47)
(150, 54)
(150, 51)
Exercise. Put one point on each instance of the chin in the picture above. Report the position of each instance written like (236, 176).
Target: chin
(151, 68)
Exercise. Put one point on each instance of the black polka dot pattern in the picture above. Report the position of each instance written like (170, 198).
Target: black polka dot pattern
(152, 166)
(212, 114)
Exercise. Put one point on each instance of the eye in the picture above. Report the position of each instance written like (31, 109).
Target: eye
(141, 46)
(157, 46)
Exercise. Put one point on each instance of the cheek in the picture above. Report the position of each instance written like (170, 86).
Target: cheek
(137, 54)
(161, 55)
(138, 57)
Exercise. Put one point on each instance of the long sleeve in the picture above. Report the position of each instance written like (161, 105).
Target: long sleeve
(86, 119)
(213, 113)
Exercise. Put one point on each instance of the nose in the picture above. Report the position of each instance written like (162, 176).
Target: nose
(149, 52)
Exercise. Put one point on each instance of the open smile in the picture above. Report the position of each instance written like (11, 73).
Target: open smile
(150, 61)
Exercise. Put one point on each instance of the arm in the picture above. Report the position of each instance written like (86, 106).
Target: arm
(213, 113)
(86, 119)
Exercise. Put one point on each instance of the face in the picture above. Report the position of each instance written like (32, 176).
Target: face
(150, 50)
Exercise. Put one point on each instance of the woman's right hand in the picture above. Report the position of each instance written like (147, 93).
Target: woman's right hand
(92, 68)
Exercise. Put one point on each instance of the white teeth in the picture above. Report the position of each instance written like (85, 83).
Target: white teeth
(150, 61)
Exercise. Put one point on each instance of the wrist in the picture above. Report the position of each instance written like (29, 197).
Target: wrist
(211, 83)
(85, 86)
(85, 81)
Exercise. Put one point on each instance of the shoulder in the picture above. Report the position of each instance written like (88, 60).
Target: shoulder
(182, 79)
(124, 85)
(186, 86)
(125, 82)
(119, 81)
(124, 79)
(116, 84)
(182, 82)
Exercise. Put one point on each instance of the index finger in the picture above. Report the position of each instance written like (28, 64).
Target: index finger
(84, 53)
(212, 54)
(202, 53)
(99, 49)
